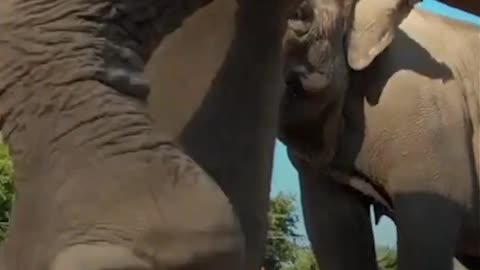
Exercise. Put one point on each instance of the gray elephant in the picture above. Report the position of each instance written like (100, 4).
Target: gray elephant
(97, 186)
(407, 135)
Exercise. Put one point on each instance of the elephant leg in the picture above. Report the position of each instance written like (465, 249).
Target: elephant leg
(431, 196)
(428, 227)
(338, 224)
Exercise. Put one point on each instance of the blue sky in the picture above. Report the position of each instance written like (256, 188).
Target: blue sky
(285, 178)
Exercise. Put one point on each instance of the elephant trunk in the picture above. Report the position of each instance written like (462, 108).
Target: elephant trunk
(106, 41)
(50, 45)
(243, 106)
(314, 46)
(76, 59)
(337, 221)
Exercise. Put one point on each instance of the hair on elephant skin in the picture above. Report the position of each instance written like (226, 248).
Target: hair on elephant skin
(408, 126)
(98, 185)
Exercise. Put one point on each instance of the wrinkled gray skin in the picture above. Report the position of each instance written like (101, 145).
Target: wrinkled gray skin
(408, 141)
(97, 187)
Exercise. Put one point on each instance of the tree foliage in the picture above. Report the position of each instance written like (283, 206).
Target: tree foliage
(6, 189)
(281, 247)
(386, 259)
(305, 260)
(283, 253)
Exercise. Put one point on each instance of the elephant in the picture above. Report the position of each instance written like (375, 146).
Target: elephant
(97, 185)
(173, 68)
(402, 134)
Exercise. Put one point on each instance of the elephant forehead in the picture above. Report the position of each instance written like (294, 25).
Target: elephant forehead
(183, 66)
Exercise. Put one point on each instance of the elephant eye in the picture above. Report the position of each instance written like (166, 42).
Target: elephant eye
(304, 12)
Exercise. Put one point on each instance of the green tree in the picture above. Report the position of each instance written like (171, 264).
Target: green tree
(281, 247)
(305, 260)
(6, 189)
(386, 258)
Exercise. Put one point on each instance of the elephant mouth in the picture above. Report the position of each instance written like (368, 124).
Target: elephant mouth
(304, 81)
(295, 87)
(314, 82)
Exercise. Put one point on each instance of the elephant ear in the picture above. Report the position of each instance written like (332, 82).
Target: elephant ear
(374, 23)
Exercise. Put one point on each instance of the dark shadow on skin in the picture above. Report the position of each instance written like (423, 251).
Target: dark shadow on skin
(349, 145)
(232, 99)
(353, 134)
(406, 54)
(351, 140)
(432, 208)
(178, 11)
(337, 220)
(345, 159)
(425, 209)
(403, 54)
(472, 263)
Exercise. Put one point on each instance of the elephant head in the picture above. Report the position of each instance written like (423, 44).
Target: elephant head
(324, 40)
(316, 79)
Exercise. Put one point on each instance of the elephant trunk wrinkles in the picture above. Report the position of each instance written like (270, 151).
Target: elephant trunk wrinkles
(82, 150)
(59, 57)
(108, 41)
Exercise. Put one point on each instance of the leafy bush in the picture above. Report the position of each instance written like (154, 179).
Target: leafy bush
(6, 188)
(386, 258)
(305, 260)
(281, 247)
